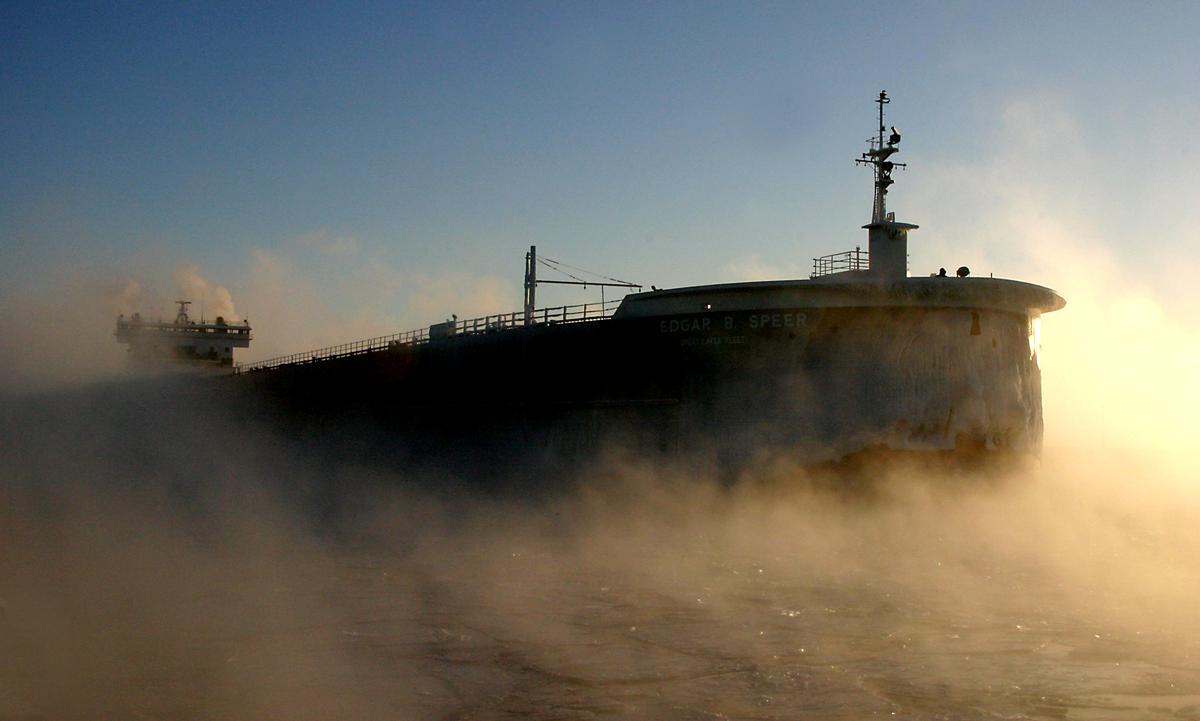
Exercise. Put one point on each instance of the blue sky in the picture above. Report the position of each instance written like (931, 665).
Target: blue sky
(353, 148)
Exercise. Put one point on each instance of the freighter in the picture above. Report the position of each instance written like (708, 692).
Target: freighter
(858, 359)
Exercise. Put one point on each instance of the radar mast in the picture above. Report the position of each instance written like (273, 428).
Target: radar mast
(878, 156)
(888, 239)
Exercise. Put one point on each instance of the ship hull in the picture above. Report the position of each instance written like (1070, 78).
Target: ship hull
(814, 373)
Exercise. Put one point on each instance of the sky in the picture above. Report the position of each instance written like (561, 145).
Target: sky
(334, 171)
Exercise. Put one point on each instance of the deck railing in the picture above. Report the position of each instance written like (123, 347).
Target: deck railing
(580, 313)
(337, 351)
(857, 259)
(128, 326)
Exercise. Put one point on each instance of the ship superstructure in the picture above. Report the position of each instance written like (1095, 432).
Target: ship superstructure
(182, 341)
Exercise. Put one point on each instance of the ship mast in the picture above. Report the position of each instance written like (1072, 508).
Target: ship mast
(888, 239)
(878, 156)
(532, 281)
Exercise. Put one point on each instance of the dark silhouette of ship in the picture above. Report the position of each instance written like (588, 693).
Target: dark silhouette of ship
(859, 360)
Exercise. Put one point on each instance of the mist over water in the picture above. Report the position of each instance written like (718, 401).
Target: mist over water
(160, 561)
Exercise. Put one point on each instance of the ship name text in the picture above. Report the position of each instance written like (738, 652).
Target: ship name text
(756, 321)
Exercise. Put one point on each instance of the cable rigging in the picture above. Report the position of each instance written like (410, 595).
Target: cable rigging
(554, 265)
(532, 261)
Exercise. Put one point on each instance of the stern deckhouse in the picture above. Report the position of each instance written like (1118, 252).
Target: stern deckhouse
(183, 340)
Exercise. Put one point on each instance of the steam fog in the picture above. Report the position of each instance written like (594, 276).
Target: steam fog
(310, 291)
(160, 561)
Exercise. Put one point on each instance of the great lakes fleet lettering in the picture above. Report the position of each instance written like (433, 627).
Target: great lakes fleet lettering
(713, 340)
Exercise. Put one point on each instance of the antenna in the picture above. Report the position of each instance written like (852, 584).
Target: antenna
(887, 240)
(878, 156)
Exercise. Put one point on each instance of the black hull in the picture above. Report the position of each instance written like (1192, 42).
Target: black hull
(816, 383)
